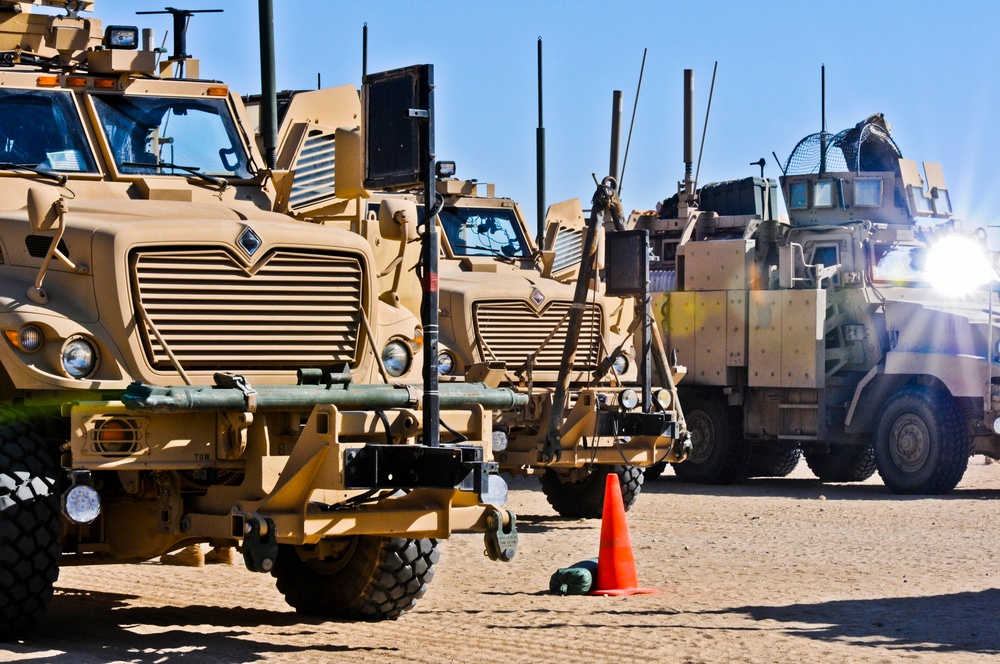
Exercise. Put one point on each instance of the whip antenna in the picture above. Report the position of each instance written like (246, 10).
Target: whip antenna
(631, 124)
(704, 130)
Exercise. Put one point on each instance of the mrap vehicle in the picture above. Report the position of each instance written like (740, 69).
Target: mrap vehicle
(181, 364)
(859, 332)
(505, 309)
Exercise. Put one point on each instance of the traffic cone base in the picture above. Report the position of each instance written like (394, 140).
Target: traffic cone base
(616, 565)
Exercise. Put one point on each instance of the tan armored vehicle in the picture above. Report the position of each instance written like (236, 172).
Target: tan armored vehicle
(181, 364)
(858, 331)
(504, 309)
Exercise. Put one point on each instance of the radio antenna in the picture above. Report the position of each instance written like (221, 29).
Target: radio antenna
(631, 124)
(704, 130)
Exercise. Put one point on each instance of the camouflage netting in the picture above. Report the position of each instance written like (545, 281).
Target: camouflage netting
(867, 146)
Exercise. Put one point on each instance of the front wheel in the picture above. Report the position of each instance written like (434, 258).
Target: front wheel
(922, 445)
(584, 499)
(367, 578)
(719, 454)
(30, 525)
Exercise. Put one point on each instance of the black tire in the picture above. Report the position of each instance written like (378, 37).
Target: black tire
(653, 472)
(773, 460)
(30, 524)
(922, 445)
(372, 578)
(719, 455)
(584, 499)
(843, 463)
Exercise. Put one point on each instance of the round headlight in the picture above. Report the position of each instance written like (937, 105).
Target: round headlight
(29, 338)
(396, 358)
(663, 398)
(78, 358)
(620, 365)
(446, 363)
(81, 503)
(628, 399)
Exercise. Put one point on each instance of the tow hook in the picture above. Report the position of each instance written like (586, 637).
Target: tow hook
(260, 546)
(501, 543)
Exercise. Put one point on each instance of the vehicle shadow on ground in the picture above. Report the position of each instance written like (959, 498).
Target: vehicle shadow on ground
(542, 523)
(802, 488)
(940, 624)
(88, 626)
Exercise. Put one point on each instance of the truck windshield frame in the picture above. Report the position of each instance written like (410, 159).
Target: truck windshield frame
(197, 133)
(483, 231)
(43, 129)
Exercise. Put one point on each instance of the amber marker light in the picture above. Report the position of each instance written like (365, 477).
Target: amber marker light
(76, 82)
(11, 337)
(47, 81)
(106, 83)
(218, 91)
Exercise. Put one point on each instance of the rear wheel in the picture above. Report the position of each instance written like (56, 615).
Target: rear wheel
(921, 442)
(584, 499)
(773, 460)
(367, 578)
(719, 455)
(30, 524)
(843, 463)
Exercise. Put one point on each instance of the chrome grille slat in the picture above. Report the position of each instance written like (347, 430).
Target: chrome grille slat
(510, 331)
(292, 310)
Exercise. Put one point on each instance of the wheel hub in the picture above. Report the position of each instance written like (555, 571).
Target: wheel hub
(702, 436)
(909, 443)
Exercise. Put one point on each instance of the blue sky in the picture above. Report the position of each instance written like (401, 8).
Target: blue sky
(930, 67)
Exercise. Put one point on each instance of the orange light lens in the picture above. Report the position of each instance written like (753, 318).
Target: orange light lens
(47, 80)
(107, 83)
(115, 431)
(11, 337)
(76, 82)
(218, 91)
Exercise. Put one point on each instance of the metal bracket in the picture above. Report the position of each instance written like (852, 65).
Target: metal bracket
(235, 436)
(232, 381)
(501, 544)
(260, 547)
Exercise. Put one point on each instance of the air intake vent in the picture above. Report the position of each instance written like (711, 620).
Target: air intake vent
(38, 246)
(296, 309)
(568, 248)
(314, 169)
(511, 331)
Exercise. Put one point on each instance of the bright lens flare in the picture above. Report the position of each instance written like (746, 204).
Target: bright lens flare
(957, 265)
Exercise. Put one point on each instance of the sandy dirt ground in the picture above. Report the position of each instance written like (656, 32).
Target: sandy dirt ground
(783, 570)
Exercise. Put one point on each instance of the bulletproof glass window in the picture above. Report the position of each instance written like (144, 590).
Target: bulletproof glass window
(165, 132)
(868, 193)
(823, 194)
(798, 195)
(42, 128)
(902, 264)
(483, 232)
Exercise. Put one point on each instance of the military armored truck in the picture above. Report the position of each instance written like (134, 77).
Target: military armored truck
(859, 331)
(504, 308)
(181, 364)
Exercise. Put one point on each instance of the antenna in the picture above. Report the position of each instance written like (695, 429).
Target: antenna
(540, 159)
(616, 133)
(704, 130)
(631, 124)
(364, 51)
(268, 85)
(822, 133)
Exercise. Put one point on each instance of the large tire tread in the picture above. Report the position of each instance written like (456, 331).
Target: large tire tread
(730, 454)
(843, 463)
(383, 579)
(585, 499)
(30, 524)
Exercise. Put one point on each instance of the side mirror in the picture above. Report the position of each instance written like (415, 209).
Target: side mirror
(45, 209)
(397, 219)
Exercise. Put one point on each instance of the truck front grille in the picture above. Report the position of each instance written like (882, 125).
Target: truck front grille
(293, 309)
(510, 331)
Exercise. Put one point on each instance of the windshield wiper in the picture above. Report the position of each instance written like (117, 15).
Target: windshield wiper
(32, 168)
(499, 253)
(221, 183)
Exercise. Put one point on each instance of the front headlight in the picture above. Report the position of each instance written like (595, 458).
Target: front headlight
(78, 357)
(396, 358)
(446, 363)
(628, 399)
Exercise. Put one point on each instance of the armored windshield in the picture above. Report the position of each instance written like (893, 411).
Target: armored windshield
(42, 128)
(902, 264)
(483, 232)
(174, 135)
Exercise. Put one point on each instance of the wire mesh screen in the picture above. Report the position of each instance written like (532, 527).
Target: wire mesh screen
(867, 146)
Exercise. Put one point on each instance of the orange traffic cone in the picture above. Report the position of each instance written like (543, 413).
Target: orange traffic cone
(616, 564)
